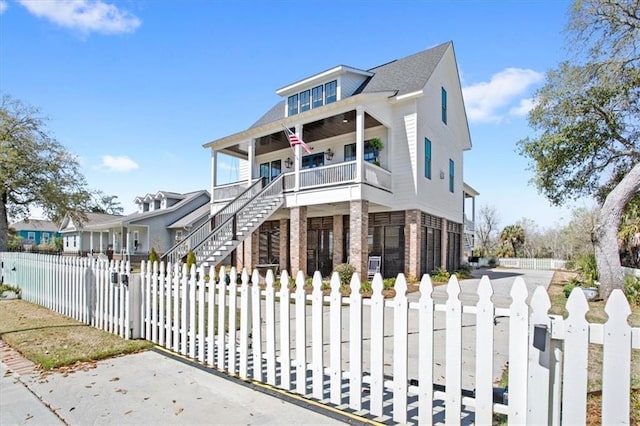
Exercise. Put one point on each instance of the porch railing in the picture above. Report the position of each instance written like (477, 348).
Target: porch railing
(336, 174)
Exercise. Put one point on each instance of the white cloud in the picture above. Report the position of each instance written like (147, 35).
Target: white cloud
(118, 164)
(523, 107)
(84, 15)
(3, 6)
(486, 101)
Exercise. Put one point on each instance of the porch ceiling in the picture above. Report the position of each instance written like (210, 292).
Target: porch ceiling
(328, 127)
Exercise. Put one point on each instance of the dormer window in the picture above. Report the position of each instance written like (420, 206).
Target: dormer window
(314, 98)
(317, 96)
(145, 207)
(331, 92)
(305, 100)
(293, 105)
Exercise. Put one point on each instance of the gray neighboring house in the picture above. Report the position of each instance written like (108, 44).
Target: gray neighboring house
(134, 235)
(77, 239)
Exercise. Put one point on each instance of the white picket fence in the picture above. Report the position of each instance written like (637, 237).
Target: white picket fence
(378, 356)
(81, 288)
(531, 263)
(381, 358)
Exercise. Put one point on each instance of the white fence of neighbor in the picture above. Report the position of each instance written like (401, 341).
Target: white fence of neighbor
(383, 358)
(86, 289)
(531, 263)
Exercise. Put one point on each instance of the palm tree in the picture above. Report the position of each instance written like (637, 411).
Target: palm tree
(513, 235)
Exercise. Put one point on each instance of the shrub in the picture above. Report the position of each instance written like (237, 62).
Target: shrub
(492, 263)
(389, 283)
(587, 268)
(191, 259)
(153, 256)
(345, 271)
(568, 288)
(440, 275)
(365, 287)
(632, 289)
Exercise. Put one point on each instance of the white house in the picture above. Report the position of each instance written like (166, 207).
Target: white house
(134, 235)
(384, 177)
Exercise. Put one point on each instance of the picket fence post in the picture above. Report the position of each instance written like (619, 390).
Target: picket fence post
(335, 340)
(539, 359)
(285, 332)
(616, 361)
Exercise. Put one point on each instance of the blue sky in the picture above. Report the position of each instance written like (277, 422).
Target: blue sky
(135, 87)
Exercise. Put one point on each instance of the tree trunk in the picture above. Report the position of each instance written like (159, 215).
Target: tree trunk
(4, 222)
(606, 232)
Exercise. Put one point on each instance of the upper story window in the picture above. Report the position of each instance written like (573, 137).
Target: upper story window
(444, 106)
(313, 160)
(451, 175)
(314, 98)
(427, 158)
(305, 100)
(331, 92)
(350, 152)
(317, 96)
(293, 105)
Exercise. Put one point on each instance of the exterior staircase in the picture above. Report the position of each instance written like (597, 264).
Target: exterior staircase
(231, 225)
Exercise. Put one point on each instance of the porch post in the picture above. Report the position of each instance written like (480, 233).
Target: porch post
(101, 244)
(359, 144)
(358, 232)
(297, 152)
(412, 249)
(284, 245)
(91, 242)
(338, 240)
(252, 159)
(298, 240)
(444, 241)
(214, 173)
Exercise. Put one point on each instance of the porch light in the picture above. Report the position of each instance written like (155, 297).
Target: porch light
(288, 163)
(328, 154)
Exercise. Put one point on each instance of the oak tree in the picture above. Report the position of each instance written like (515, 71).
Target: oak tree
(36, 171)
(588, 123)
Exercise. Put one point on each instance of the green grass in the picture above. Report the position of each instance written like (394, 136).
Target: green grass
(52, 340)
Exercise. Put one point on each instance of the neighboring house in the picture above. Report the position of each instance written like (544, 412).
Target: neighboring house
(134, 235)
(36, 231)
(79, 237)
(384, 179)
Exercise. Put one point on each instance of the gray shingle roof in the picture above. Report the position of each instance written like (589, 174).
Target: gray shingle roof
(35, 225)
(403, 76)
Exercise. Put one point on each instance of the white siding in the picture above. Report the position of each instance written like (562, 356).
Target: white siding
(348, 84)
(403, 149)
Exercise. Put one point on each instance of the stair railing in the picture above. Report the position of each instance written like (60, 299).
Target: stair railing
(227, 230)
(195, 237)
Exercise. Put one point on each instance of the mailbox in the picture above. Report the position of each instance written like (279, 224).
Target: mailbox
(114, 278)
(124, 279)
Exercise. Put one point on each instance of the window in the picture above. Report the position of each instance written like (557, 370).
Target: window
(293, 105)
(317, 96)
(444, 106)
(369, 152)
(451, 175)
(270, 171)
(179, 235)
(66, 241)
(75, 241)
(427, 158)
(330, 92)
(313, 160)
(136, 240)
(305, 101)
(31, 236)
(45, 238)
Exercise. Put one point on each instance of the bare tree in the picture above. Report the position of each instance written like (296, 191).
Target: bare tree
(487, 230)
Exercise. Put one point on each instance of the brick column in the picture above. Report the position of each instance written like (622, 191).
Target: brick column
(444, 240)
(358, 231)
(284, 245)
(412, 249)
(338, 240)
(298, 241)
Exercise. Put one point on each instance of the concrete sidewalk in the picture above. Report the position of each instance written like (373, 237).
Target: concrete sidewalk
(148, 388)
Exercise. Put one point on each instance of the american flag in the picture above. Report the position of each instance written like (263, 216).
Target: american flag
(295, 140)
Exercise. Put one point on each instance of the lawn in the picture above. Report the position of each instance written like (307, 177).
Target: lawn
(53, 340)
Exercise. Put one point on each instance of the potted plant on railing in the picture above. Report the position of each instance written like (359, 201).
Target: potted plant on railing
(376, 145)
